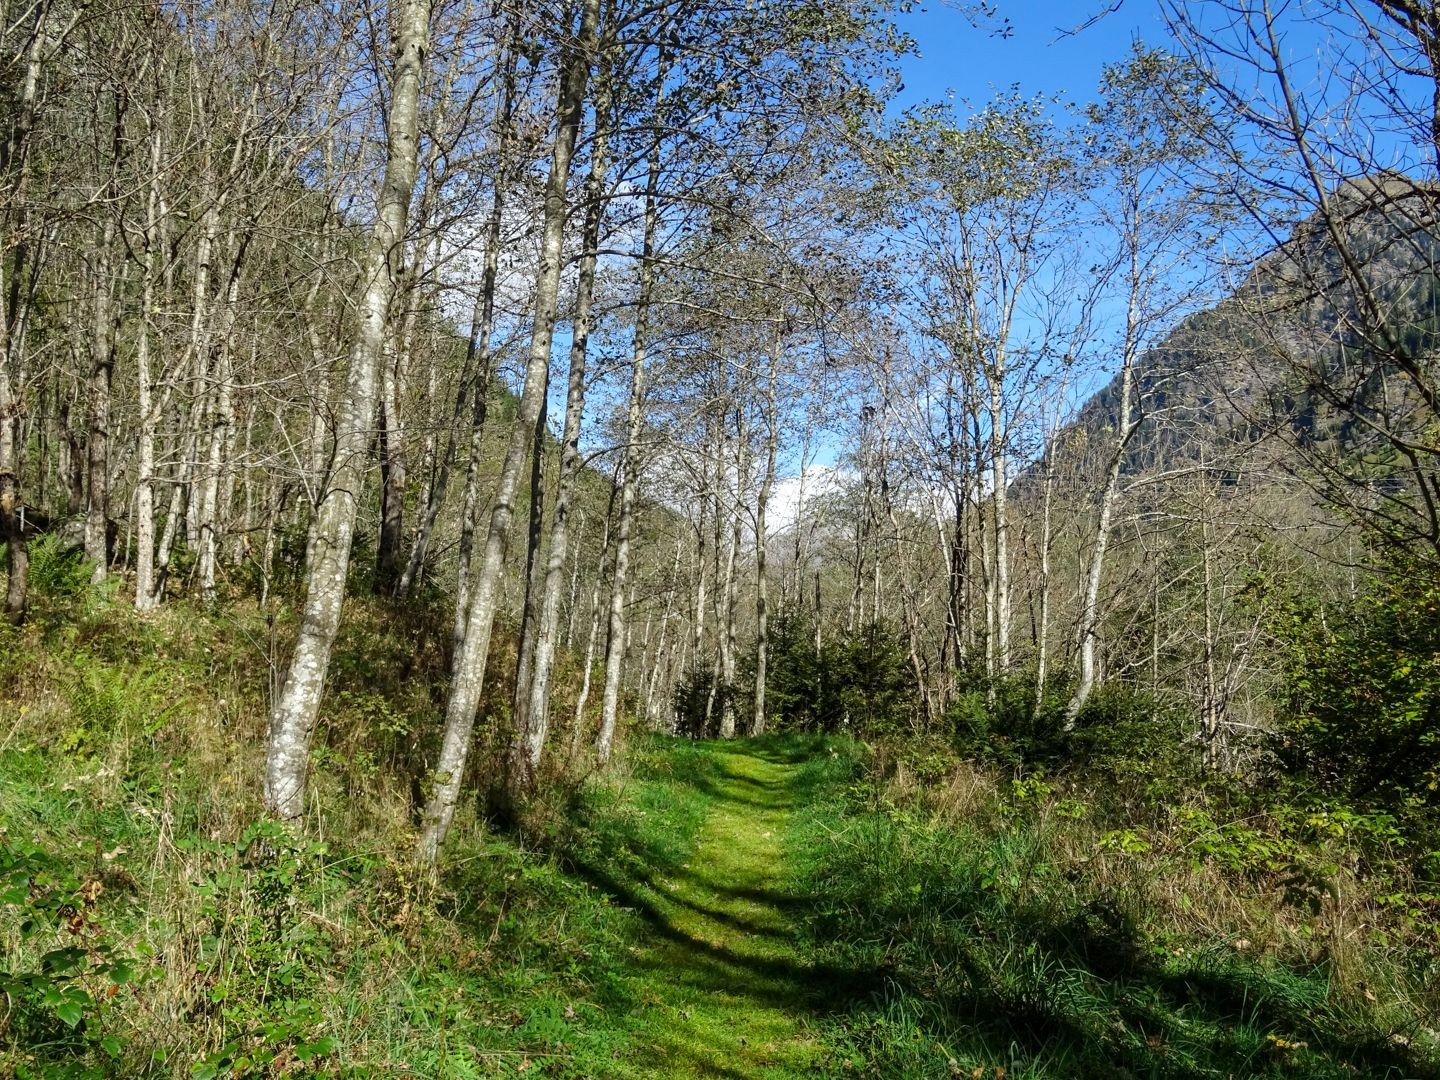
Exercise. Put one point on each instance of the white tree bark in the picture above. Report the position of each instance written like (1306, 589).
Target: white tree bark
(762, 585)
(534, 721)
(615, 640)
(1000, 480)
(1128, 423)
(292, 720)
(473, 652)
(13, 174)
(479, 363)
(102, 368)
(146, 596)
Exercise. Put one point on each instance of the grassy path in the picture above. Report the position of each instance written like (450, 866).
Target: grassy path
(724, 988)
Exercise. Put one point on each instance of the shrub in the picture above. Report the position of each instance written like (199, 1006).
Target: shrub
(997, 720)
(1360, 711)
(861, 682)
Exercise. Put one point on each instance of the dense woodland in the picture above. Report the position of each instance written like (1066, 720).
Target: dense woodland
(431, 431)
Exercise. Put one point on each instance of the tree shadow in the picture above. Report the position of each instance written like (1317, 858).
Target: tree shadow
(1088, 990)
(776, 980)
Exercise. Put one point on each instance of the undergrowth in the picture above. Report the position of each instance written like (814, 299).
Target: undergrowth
(1023, 932)
(964, 921)
(154, 924)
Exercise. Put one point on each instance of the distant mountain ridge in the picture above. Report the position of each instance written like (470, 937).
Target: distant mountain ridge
(1287, 354)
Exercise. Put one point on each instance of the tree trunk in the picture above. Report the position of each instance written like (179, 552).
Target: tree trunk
(292, 720)
(1042, 633)
(1110, 496)
(533, 720)
(147, 598)
(762, 585)
(102, 369)
(652, 700)
(728, 636)
(473, 652)
(630, 456)
(392, 474)
(534, 587)
(222, 423)
(14, 172)
(615, 640)
(479, 363)
(999, 464)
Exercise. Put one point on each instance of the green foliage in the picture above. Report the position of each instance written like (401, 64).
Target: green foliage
(262, 954)
(997, 720)
(861, 684)
(1000, 951)
(1132, 742)
(60, 583)
(1123, 735)
(698, 696)
(57, 570)
(1361, 708)
(71, 973)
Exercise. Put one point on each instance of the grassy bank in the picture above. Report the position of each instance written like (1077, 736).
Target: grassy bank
(789, 907)
(153, 924)
(1019, 936)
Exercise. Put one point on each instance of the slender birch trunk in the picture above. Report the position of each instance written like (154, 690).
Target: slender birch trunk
(147, 598)
(533, 586)
(392, 471)
(394, 375)
(999, 479)
(728, 635)
(615, 640)
(652, 702)
(1042, 633)
(717, 521)
(762, 585)
(1089, 623)
(590, 641)
(479, 365)
(697, 631)
(292, 720)
(473, 653)
(102, 370)
(574, 585)
(533, 720)
(723, 676)
(13, 250)
(1211, 704)
(222, 424)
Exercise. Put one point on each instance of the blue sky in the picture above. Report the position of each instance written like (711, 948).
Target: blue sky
(1039, 56)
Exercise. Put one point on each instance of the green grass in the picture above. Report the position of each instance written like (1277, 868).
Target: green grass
(767, 909)
(633, 926)
(722, 986)
(1007, 948)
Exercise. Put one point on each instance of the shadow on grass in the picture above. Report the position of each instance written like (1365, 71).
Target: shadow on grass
(760, 960)
(998, 980)
(929, 941)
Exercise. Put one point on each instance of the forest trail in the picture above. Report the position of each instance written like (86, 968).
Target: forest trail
(725, 989)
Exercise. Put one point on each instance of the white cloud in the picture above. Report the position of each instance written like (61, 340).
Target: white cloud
(791, 493)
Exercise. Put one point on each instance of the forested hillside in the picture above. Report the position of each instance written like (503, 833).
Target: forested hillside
(610, 540)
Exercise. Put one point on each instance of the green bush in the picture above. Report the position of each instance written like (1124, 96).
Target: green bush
(1360, 712)
(1127, 738)
(997, 720)
(60, 985)
(861, 683)
(692, 700)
